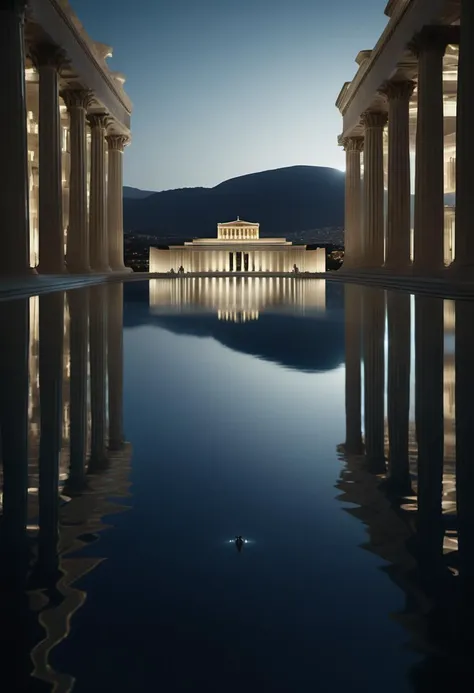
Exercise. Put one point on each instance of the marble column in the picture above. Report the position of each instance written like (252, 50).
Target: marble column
(98, 377)
(77, 252)
(373, 196)
(48, 59)
(398, 391)
(464, 245)
(352, 235)
(373, 314)
(429, 163)
(353, 351)
(397, 250)
(99, 251)
(116, 145)
(79, 350)
(14, 190)
(51, 363)
(429, 417)
(115, 365)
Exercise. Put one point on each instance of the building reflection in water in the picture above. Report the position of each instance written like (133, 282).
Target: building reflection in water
(237, 299)
(411, 481)
(63, 456)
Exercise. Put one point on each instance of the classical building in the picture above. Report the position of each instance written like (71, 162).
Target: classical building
(238, 248)
(68, 120)
(407, 131)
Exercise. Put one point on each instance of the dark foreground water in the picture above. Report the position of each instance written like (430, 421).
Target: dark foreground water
(144, 427)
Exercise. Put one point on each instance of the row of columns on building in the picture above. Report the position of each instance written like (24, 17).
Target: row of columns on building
(96, 322)
(238, 234)
(94, 241)
(258, 261)
(367, 246)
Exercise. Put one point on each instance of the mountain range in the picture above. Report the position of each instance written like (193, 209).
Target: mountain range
(284, 201)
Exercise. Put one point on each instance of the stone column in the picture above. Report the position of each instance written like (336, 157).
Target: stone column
(115, 365)
(99, 250)
(352, 237)
(353, 348)
(77, 252)
(373, 197)
(397, 250)
(14, 190)
(79, 349)
(464, 245)
(48, 59)
(51, 364)
(98, 377)
(429, 416)
(373, 314)
(429, 164)
(398, 391)
(116, 144)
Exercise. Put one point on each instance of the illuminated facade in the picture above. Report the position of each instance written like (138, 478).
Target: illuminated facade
(68, 120)
(237, 248)
(409, 143)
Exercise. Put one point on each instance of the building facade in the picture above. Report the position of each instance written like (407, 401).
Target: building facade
(237, 248)
(68, 120)
(409, 142)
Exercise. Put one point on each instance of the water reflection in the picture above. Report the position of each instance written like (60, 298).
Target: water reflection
(408, 484)
(57, 428)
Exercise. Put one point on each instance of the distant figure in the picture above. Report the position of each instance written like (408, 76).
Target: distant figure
(181, 270)
(239, 542)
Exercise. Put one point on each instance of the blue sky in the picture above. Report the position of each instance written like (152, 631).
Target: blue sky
(222, 88)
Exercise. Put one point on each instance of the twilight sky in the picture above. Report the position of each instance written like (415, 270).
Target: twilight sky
(222, 88)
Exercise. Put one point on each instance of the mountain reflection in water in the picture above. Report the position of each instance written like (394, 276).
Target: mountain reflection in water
(407, 456)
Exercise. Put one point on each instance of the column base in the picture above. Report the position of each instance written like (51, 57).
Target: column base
(122, 269)
(105, 269)
(21, 274)
(52, 272)
(78, 269)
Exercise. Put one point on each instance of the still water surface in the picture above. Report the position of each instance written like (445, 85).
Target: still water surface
(145, 426)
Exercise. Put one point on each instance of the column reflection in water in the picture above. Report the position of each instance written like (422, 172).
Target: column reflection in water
(115, 365)
(429, 418)
(98, 377)
(238, 299)
(51, 336)
(398, 390)
(373, 317)
(79, 350)
(353, 344)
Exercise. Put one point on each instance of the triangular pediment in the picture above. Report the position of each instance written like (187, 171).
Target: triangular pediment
(238, 222)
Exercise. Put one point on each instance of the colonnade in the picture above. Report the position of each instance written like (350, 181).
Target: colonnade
(95, 235)
(370, 242)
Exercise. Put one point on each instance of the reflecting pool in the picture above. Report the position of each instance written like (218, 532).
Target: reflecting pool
(256, 484)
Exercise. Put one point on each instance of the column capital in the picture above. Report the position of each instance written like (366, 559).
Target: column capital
(434, 38)
(353, 144)
(76, 98)
(398, 90)
(117, 142)
(374, 119)
(47, 55)
(98, 120)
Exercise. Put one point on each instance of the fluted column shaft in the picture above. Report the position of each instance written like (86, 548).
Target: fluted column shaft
(373, 312)
(48, 59)
(99, 250)
(14, 195)
(373, 198)
(98, 376)
(79, 349)
(429, 165)
(77, 253)
(115, 365)
(398, 389)
(397, 251)
(464, 246)
(429, 415)
(353, 343)
(51, 342)
(116, 144)
(353, 200)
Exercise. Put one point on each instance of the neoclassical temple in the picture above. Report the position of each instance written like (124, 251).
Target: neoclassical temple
(237, 248)
(68, 120)
(409, 142)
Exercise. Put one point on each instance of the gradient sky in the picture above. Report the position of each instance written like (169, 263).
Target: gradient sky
(222, 88)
